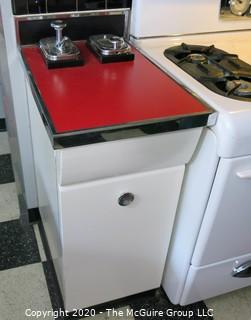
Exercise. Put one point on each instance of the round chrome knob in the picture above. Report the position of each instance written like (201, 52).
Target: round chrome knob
(117, 42)
(126, 199)
(58, 24)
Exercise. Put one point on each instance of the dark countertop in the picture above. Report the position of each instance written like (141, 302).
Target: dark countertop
(79, 104)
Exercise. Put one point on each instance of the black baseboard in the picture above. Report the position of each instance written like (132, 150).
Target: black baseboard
(2, 125)
(56, 298)
(34, 215)
(114, 304)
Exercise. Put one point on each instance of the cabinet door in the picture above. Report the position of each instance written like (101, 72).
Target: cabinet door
(110, 250)
(225, 231)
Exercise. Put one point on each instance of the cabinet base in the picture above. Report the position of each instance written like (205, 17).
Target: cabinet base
(34, 215)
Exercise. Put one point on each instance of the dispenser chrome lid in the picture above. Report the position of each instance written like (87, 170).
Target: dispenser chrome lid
(109, 44)
(52, 53)
(60, 49)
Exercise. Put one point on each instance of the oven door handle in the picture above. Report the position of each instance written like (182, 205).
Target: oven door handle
(244, 174)
(242, 271)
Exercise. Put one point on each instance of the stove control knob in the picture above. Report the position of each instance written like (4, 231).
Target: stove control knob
(126, 199)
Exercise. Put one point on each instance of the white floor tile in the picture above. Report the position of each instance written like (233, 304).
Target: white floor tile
(121, 316)
(21, 289)
(39, 243)
(232, 306)
(9, 208)
(4, 144)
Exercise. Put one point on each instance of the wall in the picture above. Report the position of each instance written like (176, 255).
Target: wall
(169, 17)
(23, 7)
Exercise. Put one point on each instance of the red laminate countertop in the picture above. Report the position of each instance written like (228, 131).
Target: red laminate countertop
(99, 95)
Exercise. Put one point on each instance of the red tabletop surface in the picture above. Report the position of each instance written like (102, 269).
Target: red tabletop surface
(98, 95)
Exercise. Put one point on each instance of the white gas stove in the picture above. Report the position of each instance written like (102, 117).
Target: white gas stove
(210, 252)
(237, 113)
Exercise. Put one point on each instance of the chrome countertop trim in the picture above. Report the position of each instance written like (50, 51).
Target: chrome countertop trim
(174, 35)
(214, 115)
(70, 14)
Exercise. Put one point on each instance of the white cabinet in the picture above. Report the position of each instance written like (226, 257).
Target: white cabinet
(103, 250)
(112, 251)
(126, 156)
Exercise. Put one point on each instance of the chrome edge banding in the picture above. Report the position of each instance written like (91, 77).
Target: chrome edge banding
(174, 35)
(70, 14)
(214, 114)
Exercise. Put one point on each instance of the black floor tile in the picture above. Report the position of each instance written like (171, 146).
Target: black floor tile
(18, 245)
(160, 302)
(2, 125)
(50, 275)
(6, 172)
(53, 287)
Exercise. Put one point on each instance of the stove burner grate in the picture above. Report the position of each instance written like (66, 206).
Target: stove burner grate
(240, 88)
(196, 58)
(220, 71)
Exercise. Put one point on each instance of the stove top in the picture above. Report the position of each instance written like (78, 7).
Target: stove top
(232, 129)
(218, 70)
